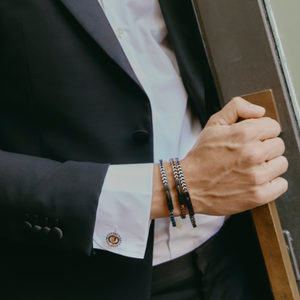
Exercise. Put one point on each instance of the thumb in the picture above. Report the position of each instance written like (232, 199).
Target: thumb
(236, 108)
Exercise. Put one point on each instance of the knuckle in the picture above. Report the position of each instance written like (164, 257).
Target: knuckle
(253, 156)
(283, 184)
(258, 197)
(212, 117)
(277, 126)
(268, 119)
(236, 100)
(274, 124)
(246, 133)
(256, 178)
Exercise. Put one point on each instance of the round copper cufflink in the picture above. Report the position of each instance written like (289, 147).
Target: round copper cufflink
(113, 239)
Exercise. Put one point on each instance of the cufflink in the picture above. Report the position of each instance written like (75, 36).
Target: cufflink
(113, 239)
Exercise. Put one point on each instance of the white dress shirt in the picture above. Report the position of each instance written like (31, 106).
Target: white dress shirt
(125, 200)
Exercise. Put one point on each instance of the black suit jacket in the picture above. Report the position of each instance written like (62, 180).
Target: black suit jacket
(70, 105)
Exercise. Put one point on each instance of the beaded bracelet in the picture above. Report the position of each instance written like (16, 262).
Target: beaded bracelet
(167, 191)
(178, 189)
(186, 194)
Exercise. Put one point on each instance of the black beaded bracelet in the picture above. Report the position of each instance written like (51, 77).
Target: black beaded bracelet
(167, 191)
(178, 189)
(186, 194)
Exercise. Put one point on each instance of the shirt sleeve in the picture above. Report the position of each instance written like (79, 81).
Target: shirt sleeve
(124, 208)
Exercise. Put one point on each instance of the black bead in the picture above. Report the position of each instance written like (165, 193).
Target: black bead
(55, 234)
(25, 228)
(44, 232)
(35, 230)
(141, 136)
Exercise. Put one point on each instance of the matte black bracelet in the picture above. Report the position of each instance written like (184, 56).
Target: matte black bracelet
(186, 194)
(178, 189)
(167, 191)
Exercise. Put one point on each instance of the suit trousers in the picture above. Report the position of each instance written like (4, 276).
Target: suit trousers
(229, 266)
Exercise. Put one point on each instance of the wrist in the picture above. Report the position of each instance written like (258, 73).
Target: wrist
(159, 207)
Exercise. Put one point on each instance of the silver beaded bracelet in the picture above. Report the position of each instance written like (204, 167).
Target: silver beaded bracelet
(178, 189)
(167, 191)
(185, 193)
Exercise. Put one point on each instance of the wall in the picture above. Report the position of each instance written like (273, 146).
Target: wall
(285, 20)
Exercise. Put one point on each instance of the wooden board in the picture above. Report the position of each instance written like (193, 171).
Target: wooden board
(275, 252)
(265, 99)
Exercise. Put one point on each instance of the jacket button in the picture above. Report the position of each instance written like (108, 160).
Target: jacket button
(55, 234)
(25, 228)
(141, 136)
(35, 230)
(44, 232)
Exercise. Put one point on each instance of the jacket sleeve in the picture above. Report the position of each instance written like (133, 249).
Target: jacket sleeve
(49, 203)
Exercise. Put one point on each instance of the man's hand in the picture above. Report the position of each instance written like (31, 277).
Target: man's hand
(235, 166)
(232, 167)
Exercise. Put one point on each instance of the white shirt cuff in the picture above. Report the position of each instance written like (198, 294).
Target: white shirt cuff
(124, 207)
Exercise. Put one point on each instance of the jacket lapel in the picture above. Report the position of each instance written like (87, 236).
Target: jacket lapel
(92, 18)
